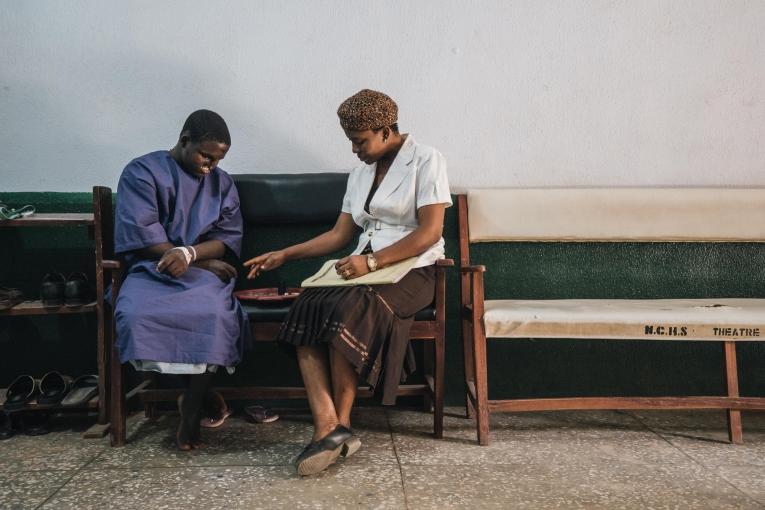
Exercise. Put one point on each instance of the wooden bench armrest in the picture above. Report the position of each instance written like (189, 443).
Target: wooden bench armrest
(445, 262)
(473, 269)
(111, 264)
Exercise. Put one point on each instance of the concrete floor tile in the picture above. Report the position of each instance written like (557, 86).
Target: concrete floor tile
(715, 453)
(416, 422)
(747, 478)
(59, 450)
(585, 459)
(517, 437)
(342, 486)
(536, 485)
(28, 489)
(518, 446)
(236, 443)
(709, 424)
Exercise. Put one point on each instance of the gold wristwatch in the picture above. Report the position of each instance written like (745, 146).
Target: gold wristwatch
(371, 262)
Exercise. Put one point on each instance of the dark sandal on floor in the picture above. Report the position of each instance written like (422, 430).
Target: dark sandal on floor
(81, 391)
(319, 455)
(20, 392)
(53, 387)
(216, 411)
(260, 414)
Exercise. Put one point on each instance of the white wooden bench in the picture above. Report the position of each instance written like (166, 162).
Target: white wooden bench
(682, 215)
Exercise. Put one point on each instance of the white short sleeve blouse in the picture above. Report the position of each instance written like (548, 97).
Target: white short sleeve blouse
(416, 178)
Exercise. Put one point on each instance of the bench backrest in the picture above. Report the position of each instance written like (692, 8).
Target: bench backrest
(284, 209)
(288, 199)
(550, 243)
(617, 214)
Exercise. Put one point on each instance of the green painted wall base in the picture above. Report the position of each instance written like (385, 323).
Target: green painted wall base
(517, 368)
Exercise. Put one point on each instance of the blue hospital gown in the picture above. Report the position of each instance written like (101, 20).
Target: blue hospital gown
(193, 319)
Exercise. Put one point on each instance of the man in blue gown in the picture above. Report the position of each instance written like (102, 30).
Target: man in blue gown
(177, 215)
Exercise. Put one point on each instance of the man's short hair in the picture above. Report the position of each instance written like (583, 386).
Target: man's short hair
(206, 125)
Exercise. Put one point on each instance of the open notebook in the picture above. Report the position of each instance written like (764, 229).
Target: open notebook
(328, 277)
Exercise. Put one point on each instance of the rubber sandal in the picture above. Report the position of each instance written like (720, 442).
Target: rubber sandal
(260, 414)
(21, 391)
(210, 422)
(53, 387)
(6, 213)
(83, 389)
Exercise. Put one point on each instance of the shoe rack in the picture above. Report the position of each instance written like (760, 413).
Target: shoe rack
(36, 308)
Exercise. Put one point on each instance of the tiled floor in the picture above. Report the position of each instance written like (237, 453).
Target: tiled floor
(609, 460)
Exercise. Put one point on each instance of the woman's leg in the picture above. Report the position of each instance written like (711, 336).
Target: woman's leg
(314, 367)
(345, 380)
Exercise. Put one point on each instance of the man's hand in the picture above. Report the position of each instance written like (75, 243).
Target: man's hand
(221, 269)
(352, 266)
(174, 262)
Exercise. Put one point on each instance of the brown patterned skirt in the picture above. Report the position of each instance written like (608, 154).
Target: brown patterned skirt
(368, 324)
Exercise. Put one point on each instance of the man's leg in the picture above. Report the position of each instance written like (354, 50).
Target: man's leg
(191, 407)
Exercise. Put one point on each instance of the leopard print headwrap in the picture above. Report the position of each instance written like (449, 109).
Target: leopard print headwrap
(367, 109)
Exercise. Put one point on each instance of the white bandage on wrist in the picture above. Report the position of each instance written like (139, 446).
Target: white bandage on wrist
(193, 253)
(185, 251)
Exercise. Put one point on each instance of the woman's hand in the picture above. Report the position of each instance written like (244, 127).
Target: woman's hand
(221, 269)
(173, 261)
(265, 262)
(352, 266)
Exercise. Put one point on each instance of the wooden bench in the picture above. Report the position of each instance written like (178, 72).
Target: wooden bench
(278, 209)
(641, 215)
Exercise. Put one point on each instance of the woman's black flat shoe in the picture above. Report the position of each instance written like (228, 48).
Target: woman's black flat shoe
(351, 446)
(319, 455)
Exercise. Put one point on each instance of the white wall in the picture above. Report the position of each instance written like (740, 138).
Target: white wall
(515, 93)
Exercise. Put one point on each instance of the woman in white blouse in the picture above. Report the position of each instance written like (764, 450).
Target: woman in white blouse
(346, 334)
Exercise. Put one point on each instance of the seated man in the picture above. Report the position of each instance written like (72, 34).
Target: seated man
(177, 214)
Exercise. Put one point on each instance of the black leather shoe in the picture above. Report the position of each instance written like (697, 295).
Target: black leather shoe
(6, 426)
(10, 297)
(52, 289)
(319, 455)
(77, 290)
(351, 445)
